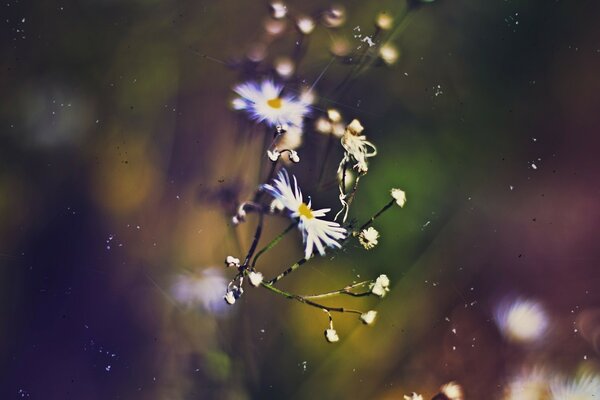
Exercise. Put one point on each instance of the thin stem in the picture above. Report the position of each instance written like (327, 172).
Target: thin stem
(384, 209)
(291, 269)
(344, 290)
(306, 301)
(273, 243)
(257, 234)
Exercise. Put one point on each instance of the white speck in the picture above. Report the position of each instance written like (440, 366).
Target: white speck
(533, 166)
(511, 187)
(107, 368)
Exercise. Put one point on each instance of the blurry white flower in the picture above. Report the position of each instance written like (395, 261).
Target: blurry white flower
(357, 147)
(452, 391)
(323, 125)
(231, 261)
(284, 66)
(368, 237)
(255, 278)
(522, 320)
(264, 102)
(307, 96)
(529, 385)
(369, 317)
(413, 396)
(273, 155)
(278, 9)
(316, 233)
(331, 335)
(204, 288)
(381, 286)
(389, 53)
(305, 24)
(334, 17)
(586, 387)
(334, 115)
(384, 21)
(291, 139)
(399, 195)
(229, 297)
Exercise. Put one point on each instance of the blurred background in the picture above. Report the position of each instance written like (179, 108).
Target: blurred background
(121, 164)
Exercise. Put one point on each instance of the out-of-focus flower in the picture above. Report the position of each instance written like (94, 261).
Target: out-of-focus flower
(323, 125)
(369, 317)
(339, 46)
(274, 26)
(384, 21)
(522, 320)
(381, 286)
(204, 288)
(452, 391)
(368, 238)
(357, 147)
(232, 261)
(399, 195)
(255, 278)
(291, 139)
(334, 17)
(278, 9)
(413, 396)
(586, 387)
(305, 25)
(256, 53)
(530, 385)
(389, 53)
(316, 233)
(284, 66)
(265, 102)
(334, 115)
(331, 335)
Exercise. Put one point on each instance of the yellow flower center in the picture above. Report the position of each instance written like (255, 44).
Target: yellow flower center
(274, 103)
(305, 211)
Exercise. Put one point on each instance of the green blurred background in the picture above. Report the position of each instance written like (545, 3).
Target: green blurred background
(121, 164)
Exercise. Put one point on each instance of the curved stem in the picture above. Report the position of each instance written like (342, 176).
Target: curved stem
(291, 269)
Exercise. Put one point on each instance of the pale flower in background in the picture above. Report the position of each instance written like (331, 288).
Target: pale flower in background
(278, 9)
(413, 396)
(529, 385)
(522, 320)
(357, 147)
(264, 102)
(203, 288)
(384, 21)
(305, 25)
(399, 195)
(331, 335)
(316, 233)
(586, 387)
(453, 391)
(368, 238)
(369, 317)
(389, 53)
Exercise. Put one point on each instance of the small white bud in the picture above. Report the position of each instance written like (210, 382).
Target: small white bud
(399, 195)
(413, 396)
(369, 317)
(294, 156)
(235, 220)
(452, 391)
(381, 286)
(229, 297)
(368, 238)
(305, 24)
(331, 335)
(284, 66)
(355, 127)
(334, 115)
(231, 261)
(323, 125)
(255, 278)
(273, 155)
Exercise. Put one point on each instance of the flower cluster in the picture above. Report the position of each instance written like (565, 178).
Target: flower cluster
(279, 100)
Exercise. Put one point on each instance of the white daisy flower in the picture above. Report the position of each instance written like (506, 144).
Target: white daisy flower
(369, 317)
(586, 387)
(316, 233)
(522, 320)
(265, 102)
(368, 238)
